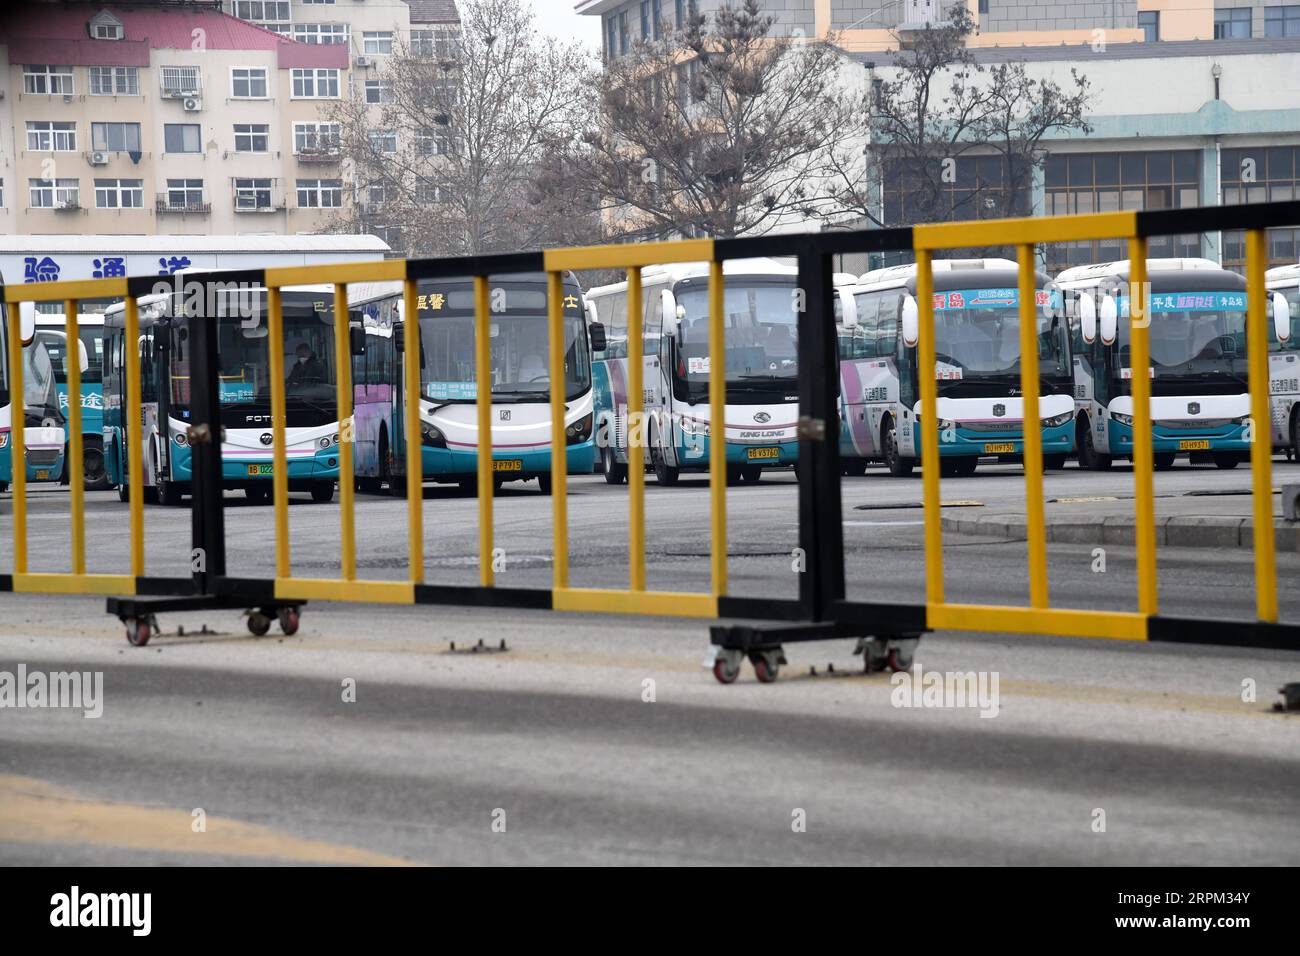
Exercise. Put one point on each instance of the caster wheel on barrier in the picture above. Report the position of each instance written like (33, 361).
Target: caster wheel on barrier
(767, 665)
(288, 618)
(138, 632)
(258, 623)
(875, 656)
(726, 666)
(898, 661)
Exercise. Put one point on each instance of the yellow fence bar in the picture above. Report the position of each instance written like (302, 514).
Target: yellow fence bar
(661, 603)
(1031, 428)
(68, 289)
(322, 589)
(929, 427)
(414, 450)
(627, 256)
(76, 467)
(74, 583)
(718, 425)
(17, 448)
(135, 431)
(635, 429)
(483, 413)
(1261, 442)
(347, 432)
(559, 450)
(1139, 310)
(1119, 625)
(280, 467)
(1035, 231)
(387, 270)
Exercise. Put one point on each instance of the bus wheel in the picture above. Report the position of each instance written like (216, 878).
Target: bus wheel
(257, 494)
(4, 486)
(854, 467)
(123, 492)
(665, 473)
(322, 492)
(1089, 457)
(899, 466)
(169, 493)
(1294, 450)
(93, 473)
(1054, 462)
(751, 473)
(1226, 459)
(1164, 461)
(615, 472)
(544, 483)
(966, 465)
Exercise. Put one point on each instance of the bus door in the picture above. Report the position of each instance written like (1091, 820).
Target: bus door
(654, 379)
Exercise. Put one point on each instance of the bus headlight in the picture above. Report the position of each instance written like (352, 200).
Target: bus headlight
(180, 439)
(324, 441)
(1122, 419)
(430, 437)
(692, 426)
(1056, 421)
(579, 431)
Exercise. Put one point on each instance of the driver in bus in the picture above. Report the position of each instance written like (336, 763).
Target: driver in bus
(308, 370)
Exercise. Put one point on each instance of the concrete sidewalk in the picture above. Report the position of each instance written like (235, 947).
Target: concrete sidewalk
(1186, 521)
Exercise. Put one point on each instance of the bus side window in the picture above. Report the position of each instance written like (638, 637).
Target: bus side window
(616, 328)
(886, 324)
(654, 319)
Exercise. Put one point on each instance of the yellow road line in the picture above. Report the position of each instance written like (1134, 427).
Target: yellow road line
(35, 811)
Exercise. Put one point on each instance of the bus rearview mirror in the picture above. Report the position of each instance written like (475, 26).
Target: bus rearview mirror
(399, 337)
(1281, 317)
(848, 309)
(26, 322)
(911, 322)
(1087, 317)
(668, 305)
(1109, 320)
(596, 332)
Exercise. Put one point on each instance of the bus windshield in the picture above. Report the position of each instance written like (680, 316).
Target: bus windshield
(1192, 335)
(517, 355)
(92, 339)
(977, 335)
(761, 334)
(4, 360)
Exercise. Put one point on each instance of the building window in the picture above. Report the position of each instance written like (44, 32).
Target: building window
(679, 12)
(43, 137)
(611, 38)
(656, 17)
(105, 26)
(377, 92)
(119, 193)
(1149, 24)
(47, 79)
(252, 137)
(1261, 174)
(320, 193)
(114, 81)
(262, 11)
(622, 31)
(55, 193)
(248, 83)
(316, 137)
(1232, 23)
(645, 19)
(1110, 182)
(383, 141)
(375, 195)
(185, 194)
(376, 43)
(427, 192)
(320, 32)
(181, 138)
(433, 43)
(2, 193)
(180, 79)
(1282, 21)
(984, 6)
(432, 144)
(115, 137)
(319, 3)
(252, 194)
(316, 84)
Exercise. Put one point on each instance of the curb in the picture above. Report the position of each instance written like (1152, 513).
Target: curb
(1189, 531)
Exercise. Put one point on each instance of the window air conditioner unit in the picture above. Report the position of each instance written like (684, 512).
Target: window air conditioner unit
(361, 61)
(192, 104)
(99, 158)
(245, 201)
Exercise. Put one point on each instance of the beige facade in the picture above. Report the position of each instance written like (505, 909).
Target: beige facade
(192, 122)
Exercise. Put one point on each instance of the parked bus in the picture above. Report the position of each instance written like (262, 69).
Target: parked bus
(1200, 402)
(1284, 357)
(762, 372)
(977, 367)
(520, 383)
(51, 331)
(163, 351)
(42, 419)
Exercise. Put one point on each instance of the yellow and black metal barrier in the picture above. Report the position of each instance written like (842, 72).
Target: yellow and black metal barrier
(821, 609)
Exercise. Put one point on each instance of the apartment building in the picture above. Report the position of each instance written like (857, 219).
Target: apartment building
(179, 118)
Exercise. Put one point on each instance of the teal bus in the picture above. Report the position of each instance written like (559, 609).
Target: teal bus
(39, 405)
(52, 332)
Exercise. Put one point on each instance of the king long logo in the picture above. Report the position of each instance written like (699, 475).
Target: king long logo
(762, 417)
(1193, 408)
(999, 410)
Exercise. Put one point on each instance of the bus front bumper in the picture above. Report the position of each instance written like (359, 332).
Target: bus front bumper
(1229, 437)
(237, 469)
(508, 464)
(693, 454)
(44, 460)
(1057, 440)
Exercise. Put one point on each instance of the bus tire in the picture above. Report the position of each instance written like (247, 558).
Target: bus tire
(1294, 451)
(123, 492)
(751, 473)
(94, 473)
(1054, 462)
(1163, 461)
(544, 483)
(966, 465)
(4, 486)
(1089, 457)
(665, 474)
(1227, 459)
(899, 466)
(169, 493)
(615, 471)
(854, 467)
(322, 492)
(257, 494)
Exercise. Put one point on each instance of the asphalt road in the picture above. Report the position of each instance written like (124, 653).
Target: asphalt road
(555, 741)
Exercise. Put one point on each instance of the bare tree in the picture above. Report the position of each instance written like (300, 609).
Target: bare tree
(449, 155)
(718, 129)
(950, 138)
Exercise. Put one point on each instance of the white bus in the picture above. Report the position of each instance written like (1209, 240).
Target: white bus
(977, 368)
(43, 438)
(1200, 402)
(52, 333)
(762, 371)
(1284, 357)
